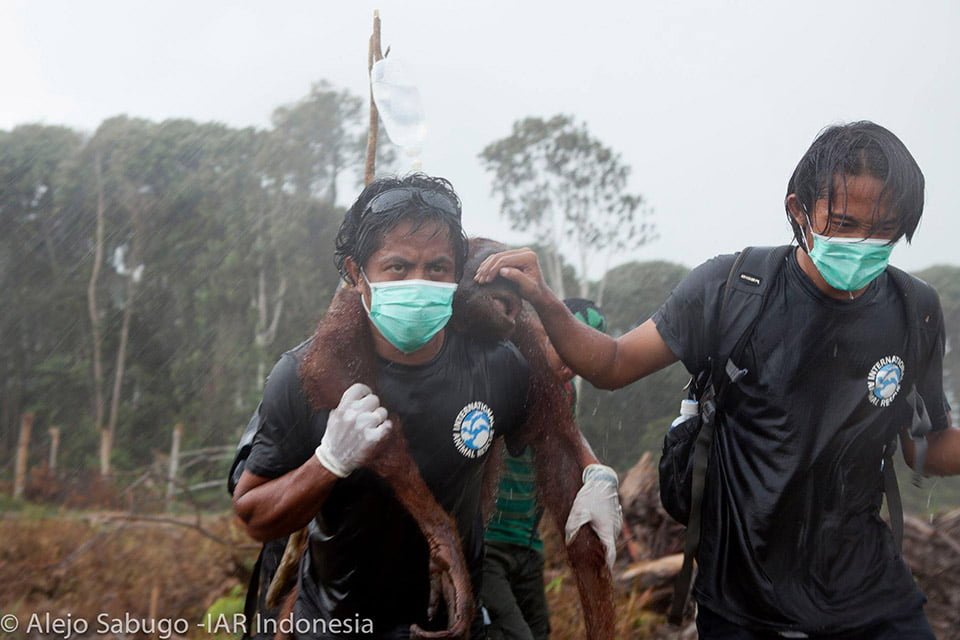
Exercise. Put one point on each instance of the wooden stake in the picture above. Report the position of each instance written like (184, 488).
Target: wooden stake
(23, 448)
(374, 54)
(54, 447)
(174, 463)
(154, 601)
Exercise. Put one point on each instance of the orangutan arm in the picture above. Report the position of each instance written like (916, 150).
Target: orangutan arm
(586, 454)
(271, 509)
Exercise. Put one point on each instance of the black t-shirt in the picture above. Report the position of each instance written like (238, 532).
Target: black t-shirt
(367, 557)
(792, 537)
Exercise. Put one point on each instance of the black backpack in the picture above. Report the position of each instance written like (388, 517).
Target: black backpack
(687, 447)
(270, 552)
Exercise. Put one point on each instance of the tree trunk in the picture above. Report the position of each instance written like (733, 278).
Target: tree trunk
(602, 287)
(15, 402)
(108, 435)
(334, 176)
(266, 333)
(94, 313)
(174, 465)
(23, 449)
(555, 231)
(266, 330)
(54, 447)
(584, 278)
(555, 270)
(8, 407)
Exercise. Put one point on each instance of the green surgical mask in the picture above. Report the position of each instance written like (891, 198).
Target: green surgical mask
(850, 264)
(408, 313)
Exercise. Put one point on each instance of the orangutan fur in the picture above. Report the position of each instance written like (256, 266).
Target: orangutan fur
(559, 450)
(342, 353)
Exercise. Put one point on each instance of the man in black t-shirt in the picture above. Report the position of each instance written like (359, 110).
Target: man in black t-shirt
(792, 543)
(366, 570)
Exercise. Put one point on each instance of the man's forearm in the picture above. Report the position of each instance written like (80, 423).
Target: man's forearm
(278, 507)
(589, 353)
(943, 451)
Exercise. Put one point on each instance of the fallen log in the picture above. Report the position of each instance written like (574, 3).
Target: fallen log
(653, 573)
(653, 544)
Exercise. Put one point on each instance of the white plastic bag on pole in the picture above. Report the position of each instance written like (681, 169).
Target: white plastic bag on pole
(400, 107)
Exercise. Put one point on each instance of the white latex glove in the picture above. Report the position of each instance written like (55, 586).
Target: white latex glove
(353, 430)
(598, 503)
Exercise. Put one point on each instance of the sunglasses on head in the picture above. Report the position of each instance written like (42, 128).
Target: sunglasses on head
(411, 196)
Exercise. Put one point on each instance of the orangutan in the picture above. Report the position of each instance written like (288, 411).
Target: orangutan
(342, 353)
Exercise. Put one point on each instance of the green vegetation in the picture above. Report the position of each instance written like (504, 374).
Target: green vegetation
(227, 608)
(153, 272)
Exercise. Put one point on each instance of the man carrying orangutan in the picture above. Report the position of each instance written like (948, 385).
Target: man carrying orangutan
(401, 246)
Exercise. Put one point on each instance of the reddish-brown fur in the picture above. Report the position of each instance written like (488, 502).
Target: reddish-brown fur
(342, 354)
(560, 453)
(559, 456)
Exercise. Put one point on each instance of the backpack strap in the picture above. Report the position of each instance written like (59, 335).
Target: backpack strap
(253, 593)
(691, 542)
(243, 451)
(892, 490)
(920, 302)
(745, 291)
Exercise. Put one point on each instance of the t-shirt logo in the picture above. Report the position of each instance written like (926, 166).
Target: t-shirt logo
(473, 430)
(884, 380)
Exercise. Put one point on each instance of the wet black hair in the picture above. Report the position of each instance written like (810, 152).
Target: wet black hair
(361, 232)
(857, 149)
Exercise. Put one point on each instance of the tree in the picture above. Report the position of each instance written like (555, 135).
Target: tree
(622, 424)
(130, 179)
(301, 161)
(151, 268)
(946, 280)
(315, 141)
(42, 294)
(555, 180)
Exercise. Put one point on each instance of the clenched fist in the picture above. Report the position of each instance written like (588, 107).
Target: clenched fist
(354, 429)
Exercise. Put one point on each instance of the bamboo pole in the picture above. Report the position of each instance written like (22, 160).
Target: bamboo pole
(374, 54)
(174, 464)
(23, 448)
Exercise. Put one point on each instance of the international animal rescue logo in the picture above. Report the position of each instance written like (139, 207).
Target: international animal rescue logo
(473, 430)
(883, 382)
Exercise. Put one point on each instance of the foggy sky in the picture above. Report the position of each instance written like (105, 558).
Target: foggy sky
(711, 103)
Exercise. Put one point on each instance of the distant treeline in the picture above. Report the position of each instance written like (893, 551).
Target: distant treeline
(153, 272)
